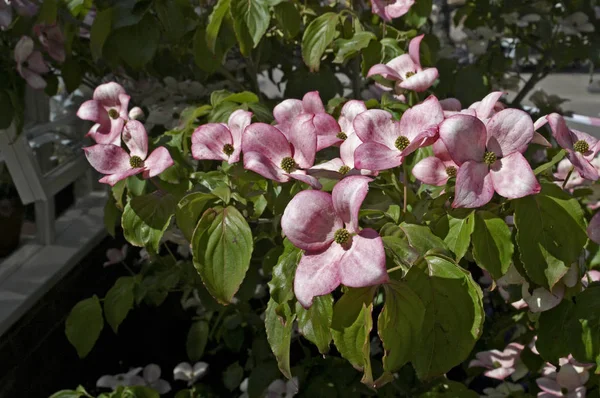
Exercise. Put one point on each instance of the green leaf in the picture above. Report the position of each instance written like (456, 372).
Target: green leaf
(196, 340)
(207, 60)
(418, 13)
(6, 116)
(112, 215)
(461, 227)
(546, 166)
(317, 37)
(421, 238)
(146, 218)
(171, 17)
(281, 288)
(214, 23)
(553, 334)
(492, 244)
(314, 323)
(100, 32)
(583, 328)
(118, 301)
(400, 325)
(233, 375)
(288, 19)
(137, 44)
(222, 246)
(71, 74)
(250, 20)
(139, 392)
(350, 328)
(47, 12)
(453, 314)
(189, 210)
(550, 233)
(68, 394)
(84, 324)
(219, 96)
(347, 48)
(279, 321)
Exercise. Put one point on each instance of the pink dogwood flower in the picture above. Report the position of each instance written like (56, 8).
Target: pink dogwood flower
(438, 169)
(337, 251)
(115, 256)
(51, 37)
(117, 164)
(569, 381)
(499, 364)
(268, 152)
(490, 156)
(581, 148)
(108, 109)
(25, 8)
(593, 229)
(30, 63)
(287, 115)
(5, 15)
(219, 141)
(389, 10)
(406, 70)
(386, 142)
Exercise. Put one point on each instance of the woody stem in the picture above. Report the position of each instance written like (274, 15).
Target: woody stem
(405, 174)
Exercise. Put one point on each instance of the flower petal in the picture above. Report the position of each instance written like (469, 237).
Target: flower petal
(364, 263)
(431, 171)
(310, 221)
(108, 134)
(347, 149)
(593, 229)
(108, 94)
(464, 137)
(349, 111)
(311, 103)
(550, 386)
(441, 152)
(375, 156)
(303, 137)
(262, 165)
(541, 299)
(404, 64)
(23, 49)
(301, 175)
(377, 125)
(266, 140)
(451, 104)
(540, 139)
(136, 139)
(348, 196)
(238, 121)
(560, 131)
(484, 109)
(37, 64)
(474, 186)
(286, 110)
(384, 71)
(151, 373)
(424, 116)
(583, 166)
(541, 122)
(509, 131)
(317, 274)
(158, 161)
(413, 49)
(513, 178)
(329, 169)
(94, 111)
(182, 371)
(209, 140)
(420, 81)
(591, 141)
(112, 179)
(33, 79)
(107, 159)
(327, 130)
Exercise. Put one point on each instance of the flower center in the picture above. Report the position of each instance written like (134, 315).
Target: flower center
(341, 135)
(451, 171)
(344, 169)
(489, 158)
(341, 236)
(402, 143)
(288, 164)
(496, 364)
(113, 114)
(228, 149)
(581, 146)
(409, 74)
(136, 162)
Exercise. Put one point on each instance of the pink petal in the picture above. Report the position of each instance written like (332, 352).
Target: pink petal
(33, 79)
(23, 49)
(499, 373)
(262, 165)
(593, 229)
(266, 140)
(317, 274)
(424, 116)
(485, 108)
(413, 49)
(583, 166)
(560, 131)
(364, 263)
(311, 103)
(37, 64)
(540, 139)
(112, 179)
(136, 139)
(550, 386)
(431, 171)
(375, 156)
(108, 134)
(541, 122)
(509, 131)
(94, 111)
(309, 221)
(329, 169)
(347, 149)
(451, 104)
(377, 125)
(398, 8)
(301, 175)
(404, 64)
(474, 186)
(327, 130)
(238, 121)
(123, 105)
(348, 196)
(303, 137)
(108, 94)
(591, 141)
(568, 377)
(465, 138)
(158, 161)
(384, 71)
(513, 178)
(440, 151)
(209, 140)
(349, 111)
(136, 113)
(420, 81)
(107, 159)
(286, 110)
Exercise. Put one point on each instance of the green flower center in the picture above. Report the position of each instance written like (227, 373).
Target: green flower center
(344, 169)
(228, 149)
(409, 74)
(341, 135)
(288, 164)
(113, 114)
(497, 364)
(341, 236)
(489, 158)
(451, 171)
(402, 143)
(581, 146)
(136, 162)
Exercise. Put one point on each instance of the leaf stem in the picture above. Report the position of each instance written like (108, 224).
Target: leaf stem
(405, 176)
(568, 176)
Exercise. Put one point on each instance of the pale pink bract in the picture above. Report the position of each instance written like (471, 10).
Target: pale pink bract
(30, 63)
(389, 10)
